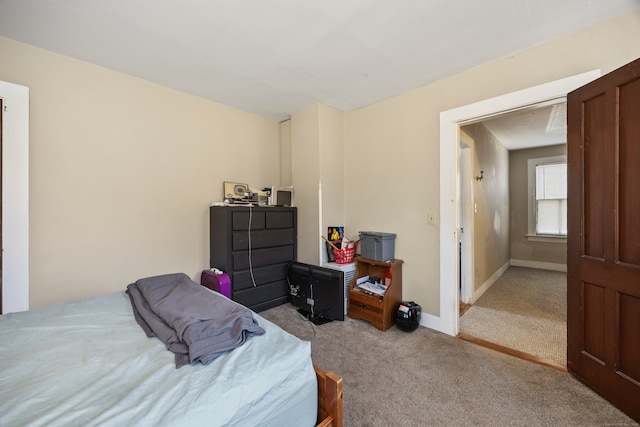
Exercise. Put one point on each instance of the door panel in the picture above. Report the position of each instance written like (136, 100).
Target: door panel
(629, 328)
(629, 220)
(603, 278)
(593, 176)
(594, 321)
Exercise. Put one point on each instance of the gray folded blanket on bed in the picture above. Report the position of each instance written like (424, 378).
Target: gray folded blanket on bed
(194, 323)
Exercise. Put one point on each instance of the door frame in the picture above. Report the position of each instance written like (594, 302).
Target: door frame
(465, 207)
(15, 197)
(450, 122)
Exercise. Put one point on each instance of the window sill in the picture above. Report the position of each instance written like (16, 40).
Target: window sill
(547, 239)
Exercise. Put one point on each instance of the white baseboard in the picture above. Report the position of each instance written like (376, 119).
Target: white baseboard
(539, 265)
(436, 323)
(477, 293)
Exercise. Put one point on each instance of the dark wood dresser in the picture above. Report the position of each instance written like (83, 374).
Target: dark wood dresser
(254, 246)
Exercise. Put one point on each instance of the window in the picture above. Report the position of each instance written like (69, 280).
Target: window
(548, 197)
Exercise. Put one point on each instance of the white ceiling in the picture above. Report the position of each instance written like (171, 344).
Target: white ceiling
(535, 126)
(275, 57)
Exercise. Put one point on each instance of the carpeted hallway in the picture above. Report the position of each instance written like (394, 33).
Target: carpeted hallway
(525, 310)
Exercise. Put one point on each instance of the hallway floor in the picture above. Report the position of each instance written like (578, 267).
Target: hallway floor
(524, 314)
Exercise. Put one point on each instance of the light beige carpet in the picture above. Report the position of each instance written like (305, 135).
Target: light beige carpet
(525, 310)
(426, 378)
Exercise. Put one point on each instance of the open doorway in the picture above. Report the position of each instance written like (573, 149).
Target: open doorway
(450, 122)
(15, 197)
(521, 309)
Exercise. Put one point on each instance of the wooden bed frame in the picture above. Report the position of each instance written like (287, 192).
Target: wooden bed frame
(329, 399)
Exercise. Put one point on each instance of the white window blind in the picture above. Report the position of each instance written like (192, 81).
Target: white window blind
(551, 199)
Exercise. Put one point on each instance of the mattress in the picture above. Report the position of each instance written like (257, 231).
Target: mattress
(88, 363)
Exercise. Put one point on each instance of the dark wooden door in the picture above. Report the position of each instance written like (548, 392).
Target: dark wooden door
(603, 310)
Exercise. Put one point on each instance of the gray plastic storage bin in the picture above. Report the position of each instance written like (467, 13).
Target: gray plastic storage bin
(377, 246)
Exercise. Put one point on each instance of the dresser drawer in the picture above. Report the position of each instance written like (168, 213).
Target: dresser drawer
(280, 219)
(260, 257)
(253, 296)
(262, 275)
(359, 313)
(366, 307)
(241, 220)
(366, 302)
(263, 239)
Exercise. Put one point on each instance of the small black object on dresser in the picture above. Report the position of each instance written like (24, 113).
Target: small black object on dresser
(254, 246)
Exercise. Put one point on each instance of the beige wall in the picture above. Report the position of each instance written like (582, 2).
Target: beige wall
(285, 153)
(521, 248)
(317, 147)
(395, 142)
(491, 199)
(332, 173)
(305, 172)
(122, 172)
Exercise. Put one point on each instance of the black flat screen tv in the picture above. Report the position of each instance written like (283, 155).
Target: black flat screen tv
(317, 292)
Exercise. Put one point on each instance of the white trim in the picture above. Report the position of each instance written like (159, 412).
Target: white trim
(450, 122)
(539, 265)
(546, 238)
(322, 254)
(467, 265)
(432, 322)
(532, 163)
(15, 197)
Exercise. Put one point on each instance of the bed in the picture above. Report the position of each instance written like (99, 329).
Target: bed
(88, 362)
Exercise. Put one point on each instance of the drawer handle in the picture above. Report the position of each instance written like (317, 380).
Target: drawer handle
(363, 305)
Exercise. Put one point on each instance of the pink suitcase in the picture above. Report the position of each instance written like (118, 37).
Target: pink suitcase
(218, 282)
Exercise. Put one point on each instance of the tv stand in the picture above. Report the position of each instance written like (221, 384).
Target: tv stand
(316, 319)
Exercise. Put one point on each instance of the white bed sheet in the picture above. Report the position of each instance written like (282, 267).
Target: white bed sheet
(88, 363)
